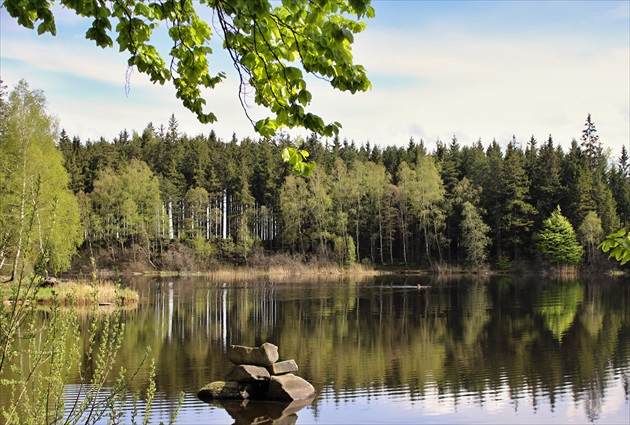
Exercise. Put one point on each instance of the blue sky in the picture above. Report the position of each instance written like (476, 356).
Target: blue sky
(475, 69)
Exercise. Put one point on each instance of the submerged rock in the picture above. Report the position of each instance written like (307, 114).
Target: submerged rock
(265, 355)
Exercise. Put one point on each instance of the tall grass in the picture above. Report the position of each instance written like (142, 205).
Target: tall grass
(85, 293)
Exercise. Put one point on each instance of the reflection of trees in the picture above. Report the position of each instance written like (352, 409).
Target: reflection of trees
(469, 338)
(558, 306)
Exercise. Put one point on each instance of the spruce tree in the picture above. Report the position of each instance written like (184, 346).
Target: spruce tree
(518, 214)
(557, 242)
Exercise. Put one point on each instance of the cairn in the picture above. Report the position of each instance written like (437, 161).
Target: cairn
(258, 375)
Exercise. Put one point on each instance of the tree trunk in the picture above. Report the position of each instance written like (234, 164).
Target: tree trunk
(171, 233)
(18, 251)
(426, 244)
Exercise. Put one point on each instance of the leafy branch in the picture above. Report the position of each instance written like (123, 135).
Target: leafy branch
(618, 246)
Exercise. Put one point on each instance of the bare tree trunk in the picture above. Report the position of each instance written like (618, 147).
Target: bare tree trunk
(171, 233)
(426, 244)
(357, 229)
(208, 221)
(404, 239)
(380, 235)
(18, 251)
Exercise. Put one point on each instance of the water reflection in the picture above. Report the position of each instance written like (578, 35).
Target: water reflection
(258, 412)
(490, 350)
(506, 338)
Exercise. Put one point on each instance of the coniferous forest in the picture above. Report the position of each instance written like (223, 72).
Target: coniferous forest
(165, 200)
(193, 202)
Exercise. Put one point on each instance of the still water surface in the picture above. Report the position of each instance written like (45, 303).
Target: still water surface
(381, 350)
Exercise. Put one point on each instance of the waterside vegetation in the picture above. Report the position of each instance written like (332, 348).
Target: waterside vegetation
(161, 200)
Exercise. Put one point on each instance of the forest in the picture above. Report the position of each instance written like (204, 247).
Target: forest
(160, 199)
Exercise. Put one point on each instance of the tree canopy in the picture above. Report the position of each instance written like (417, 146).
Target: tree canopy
(270, 46)
(39, 215)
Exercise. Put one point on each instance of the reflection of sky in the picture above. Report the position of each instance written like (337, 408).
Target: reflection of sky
(497, 407)
(381, 407)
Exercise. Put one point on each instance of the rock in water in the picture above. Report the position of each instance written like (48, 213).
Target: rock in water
(221, 390)
(286, 366)
(247, 373)
(265, 355)
(290, 387)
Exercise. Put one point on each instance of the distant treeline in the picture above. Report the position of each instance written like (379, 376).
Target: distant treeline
(162, 192)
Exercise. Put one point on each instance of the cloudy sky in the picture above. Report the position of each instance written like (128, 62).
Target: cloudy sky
(474, 69)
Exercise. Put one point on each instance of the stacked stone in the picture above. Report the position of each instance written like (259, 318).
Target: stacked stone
(258, 374)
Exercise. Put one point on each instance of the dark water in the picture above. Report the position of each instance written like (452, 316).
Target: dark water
(500, 350)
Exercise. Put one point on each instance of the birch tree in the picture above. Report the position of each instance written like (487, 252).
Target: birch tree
(39, 215)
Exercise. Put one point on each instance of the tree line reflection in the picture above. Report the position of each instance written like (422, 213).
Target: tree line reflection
(461, 338)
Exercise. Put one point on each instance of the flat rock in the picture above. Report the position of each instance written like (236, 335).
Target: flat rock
(290, 387)
(224, 390)
(285, 366)
(247, 373)
(265, 355)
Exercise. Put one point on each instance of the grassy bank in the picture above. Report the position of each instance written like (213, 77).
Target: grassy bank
(76, 292)
(275, 271)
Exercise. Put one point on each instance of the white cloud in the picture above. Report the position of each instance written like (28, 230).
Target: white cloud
(426, 86)
(484, 88)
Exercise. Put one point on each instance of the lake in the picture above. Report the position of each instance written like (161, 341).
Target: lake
(381, 350)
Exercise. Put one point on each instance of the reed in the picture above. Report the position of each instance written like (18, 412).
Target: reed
(84, 293)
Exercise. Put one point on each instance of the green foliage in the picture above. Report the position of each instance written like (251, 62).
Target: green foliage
(296, 159)
(223, 199)
(423, 190)
(344, 251)
(517, 213)
(36, 367)
(34, 186)
(590, 233)
(126, 201)
(618, 246)
(504, 263)
(203, 249)
(41, 353)
(271, 47)
(474, 235)
(557, 241)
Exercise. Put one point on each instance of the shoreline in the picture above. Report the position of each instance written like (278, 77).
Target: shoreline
(71, 291)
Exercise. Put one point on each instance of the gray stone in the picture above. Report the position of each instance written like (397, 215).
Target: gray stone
(247, 373)
(290, 387)
(265, 355)
(280, 368)
(222, 390)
